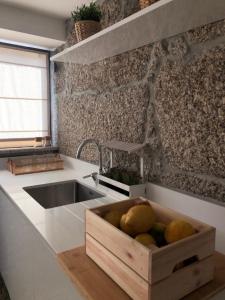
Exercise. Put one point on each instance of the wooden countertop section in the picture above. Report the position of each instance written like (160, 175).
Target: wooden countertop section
(94, 284)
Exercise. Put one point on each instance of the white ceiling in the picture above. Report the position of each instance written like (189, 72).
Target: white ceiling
(59, 8)
(29, 40)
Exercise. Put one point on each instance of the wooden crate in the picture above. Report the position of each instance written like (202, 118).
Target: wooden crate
(150, 273)
(35, 164)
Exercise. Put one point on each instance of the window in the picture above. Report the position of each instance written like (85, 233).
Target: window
(24, 93)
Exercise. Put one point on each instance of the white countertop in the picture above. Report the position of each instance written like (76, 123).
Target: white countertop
(63, 227)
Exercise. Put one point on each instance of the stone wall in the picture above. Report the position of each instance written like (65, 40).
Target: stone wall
(170, 94)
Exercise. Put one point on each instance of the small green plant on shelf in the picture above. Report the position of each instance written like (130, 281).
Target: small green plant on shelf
(123, 176)
(89, 12)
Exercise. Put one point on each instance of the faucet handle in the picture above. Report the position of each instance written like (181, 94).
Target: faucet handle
(93, 175)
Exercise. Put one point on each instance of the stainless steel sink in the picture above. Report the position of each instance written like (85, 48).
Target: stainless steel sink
(61, 193)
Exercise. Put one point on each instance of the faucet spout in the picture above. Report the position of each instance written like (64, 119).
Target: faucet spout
(91, 141)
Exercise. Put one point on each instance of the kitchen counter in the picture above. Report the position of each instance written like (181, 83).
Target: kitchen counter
(31, 236)
(62, 228)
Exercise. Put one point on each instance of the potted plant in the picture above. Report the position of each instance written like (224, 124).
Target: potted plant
(145, 3)
(124, 176)
(87, 20)
(124, 181)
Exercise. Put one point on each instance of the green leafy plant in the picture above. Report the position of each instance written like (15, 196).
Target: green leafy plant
(123, 176)
(91, 12)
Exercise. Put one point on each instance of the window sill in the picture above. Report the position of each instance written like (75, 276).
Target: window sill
(27, 151)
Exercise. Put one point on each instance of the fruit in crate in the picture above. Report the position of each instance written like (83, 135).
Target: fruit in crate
(140, 223)
(124, 227)
(113, 217)
(145, 239)
(191, 247)
(178, 230)
(158, 233)
(140, 218)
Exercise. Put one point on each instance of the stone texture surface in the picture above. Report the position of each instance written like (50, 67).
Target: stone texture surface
(107, 74)
(170, 94)
(116, 10)
(195, 184)
(189, 106)
(102, 116)
(205, 33)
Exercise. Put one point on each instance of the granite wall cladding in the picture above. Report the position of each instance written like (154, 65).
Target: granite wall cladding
(170, 94)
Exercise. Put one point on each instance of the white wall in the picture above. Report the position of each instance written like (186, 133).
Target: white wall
(25, 22)
(207, 212)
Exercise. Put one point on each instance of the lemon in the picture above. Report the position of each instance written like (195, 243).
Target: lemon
(125, 228)
(113, 217)
(140, 218)
(178, 230)
(145, 239)
(158, 231)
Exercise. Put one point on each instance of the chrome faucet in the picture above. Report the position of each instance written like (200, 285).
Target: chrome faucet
(91, 141)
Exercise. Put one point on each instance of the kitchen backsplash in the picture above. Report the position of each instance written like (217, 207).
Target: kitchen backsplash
(170, 94)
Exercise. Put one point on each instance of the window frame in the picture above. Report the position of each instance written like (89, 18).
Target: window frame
(30, 142)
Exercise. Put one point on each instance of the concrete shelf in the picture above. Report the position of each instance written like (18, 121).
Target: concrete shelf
(161, 20)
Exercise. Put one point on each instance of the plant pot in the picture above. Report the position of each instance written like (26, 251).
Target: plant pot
(145, 3)
(129, 190)
(84, 29)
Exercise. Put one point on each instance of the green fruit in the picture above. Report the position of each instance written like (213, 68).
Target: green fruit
(158, 233)
(145, 239)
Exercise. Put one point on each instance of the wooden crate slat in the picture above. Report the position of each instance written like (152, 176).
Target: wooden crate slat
(136, 287)
(166, 215)
(121, 244)
(184, 281)
(166, 258)
(174, 287)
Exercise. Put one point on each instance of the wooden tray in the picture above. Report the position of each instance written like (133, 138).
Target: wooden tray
(35, 164)
(94, 284)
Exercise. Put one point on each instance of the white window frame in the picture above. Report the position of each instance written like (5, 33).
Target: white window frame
(30, 142)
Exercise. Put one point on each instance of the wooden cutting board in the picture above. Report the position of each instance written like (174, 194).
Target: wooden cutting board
(94, 284)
